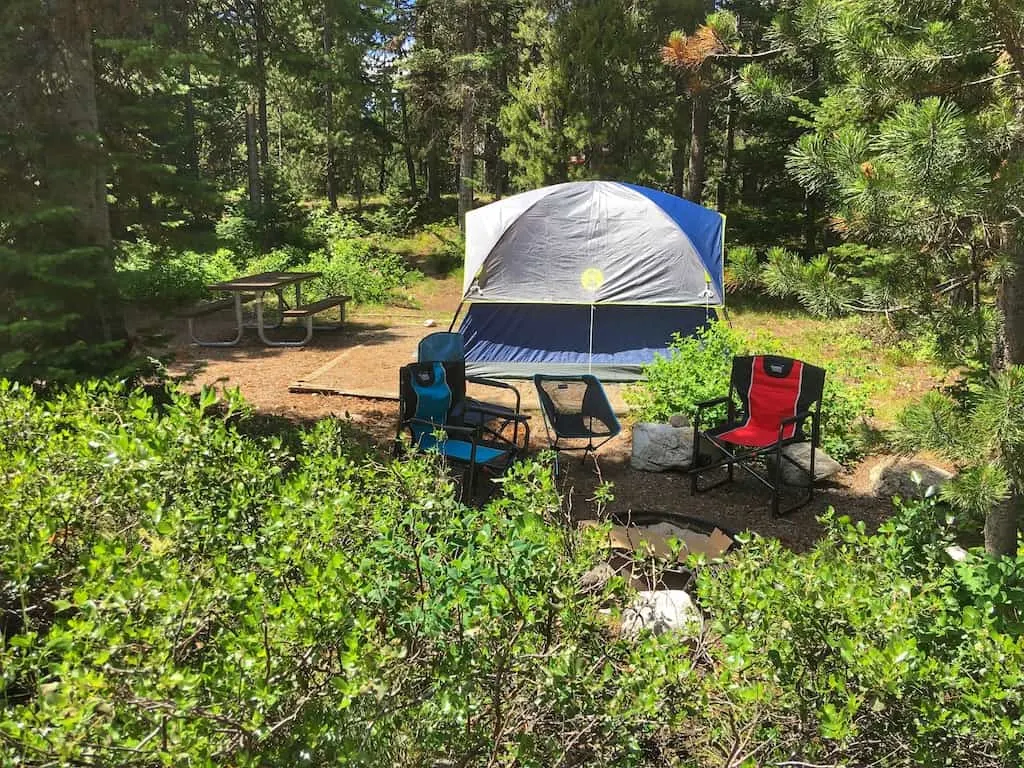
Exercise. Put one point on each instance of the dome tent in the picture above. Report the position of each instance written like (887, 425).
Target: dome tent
(586, 276)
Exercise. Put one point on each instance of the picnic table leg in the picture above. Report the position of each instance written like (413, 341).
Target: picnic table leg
(238, 323)
(261, 329)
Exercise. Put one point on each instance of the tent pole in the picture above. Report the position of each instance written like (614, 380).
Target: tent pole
(455, 316)
(590, 358)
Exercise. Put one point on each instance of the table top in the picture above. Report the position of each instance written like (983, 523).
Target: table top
(265, 281)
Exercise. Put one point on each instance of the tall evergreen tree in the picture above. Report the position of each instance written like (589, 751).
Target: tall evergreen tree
(918, 147)
(59, 317)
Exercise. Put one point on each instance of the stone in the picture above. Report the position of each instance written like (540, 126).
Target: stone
(594, 579)
(679, 420)
(430, 323)
(824, 465)
(661, 447)
(906, 478)
(660, 611)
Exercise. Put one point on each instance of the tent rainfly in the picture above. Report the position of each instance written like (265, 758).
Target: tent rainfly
(588, 276)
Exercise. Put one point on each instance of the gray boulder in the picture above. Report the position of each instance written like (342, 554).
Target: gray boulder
(661, 447)
(906, 478)
(824, 465)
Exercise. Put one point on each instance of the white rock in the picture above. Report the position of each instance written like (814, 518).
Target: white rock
(660, 611)
(906, 478)
(824, 465)
(430, 323)
(679, 420)
(959, 554)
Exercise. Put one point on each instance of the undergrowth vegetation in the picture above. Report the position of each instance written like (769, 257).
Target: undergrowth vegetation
(698, 368)
(181, 585)
(371, 256)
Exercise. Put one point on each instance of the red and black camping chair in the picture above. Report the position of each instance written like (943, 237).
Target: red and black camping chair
(779, 404)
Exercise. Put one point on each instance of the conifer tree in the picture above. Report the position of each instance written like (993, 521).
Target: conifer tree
(59, 314)
(918, 148)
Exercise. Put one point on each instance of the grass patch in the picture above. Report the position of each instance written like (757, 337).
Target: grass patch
(856, 349)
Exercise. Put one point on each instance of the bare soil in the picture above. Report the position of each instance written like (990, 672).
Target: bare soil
(366, 355)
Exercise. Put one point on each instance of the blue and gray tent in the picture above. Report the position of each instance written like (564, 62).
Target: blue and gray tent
(588, 276)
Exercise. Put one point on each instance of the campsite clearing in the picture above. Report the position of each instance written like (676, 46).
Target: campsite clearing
(264, 375)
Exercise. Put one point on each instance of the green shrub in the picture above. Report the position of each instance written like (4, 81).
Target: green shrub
(698, 368)
(175, 592)
(395, 219)
(354, 268)
(870, 649)
(325, 226)
(148, 274)
(178, 587)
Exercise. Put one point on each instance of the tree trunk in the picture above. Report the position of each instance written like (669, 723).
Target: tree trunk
(1009, 344)
(467, 126)
(698, 142)
(385, 148)
(252, 156)
(331, 171)
(433, 173)
(357, 182)
(725, 185)
(680, 137)
(261, 84)
(1002, 521)
(192, 152)
(82, 186)
(410, 162)
(1001, 528)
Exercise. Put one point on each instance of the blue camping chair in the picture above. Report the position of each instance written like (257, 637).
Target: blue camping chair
(494, 419)
(425, 413)
(576, 408)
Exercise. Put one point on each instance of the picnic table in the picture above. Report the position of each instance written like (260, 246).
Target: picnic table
(254, 288)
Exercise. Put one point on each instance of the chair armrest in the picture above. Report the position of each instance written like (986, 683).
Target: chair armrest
(704, 405)
(473, 431)
(797, 417)
(493, 383)
(497, 412)
(710, 403)
(490, 382)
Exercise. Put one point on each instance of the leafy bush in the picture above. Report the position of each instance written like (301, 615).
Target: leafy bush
(325, 226)
(870, 649)
(181, 588)
(353, 267)
(152, 275)
(397, 219)
(248, 233)
(176, 591)
(698, 368)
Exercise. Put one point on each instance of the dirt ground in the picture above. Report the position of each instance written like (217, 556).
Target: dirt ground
(367, 353)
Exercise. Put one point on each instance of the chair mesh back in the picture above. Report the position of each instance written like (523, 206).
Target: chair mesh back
(576, 407)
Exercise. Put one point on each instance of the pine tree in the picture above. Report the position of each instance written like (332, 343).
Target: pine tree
(918, 148)
(59, 318)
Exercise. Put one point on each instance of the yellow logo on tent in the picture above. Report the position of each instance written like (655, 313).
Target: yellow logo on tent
(592, 278)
